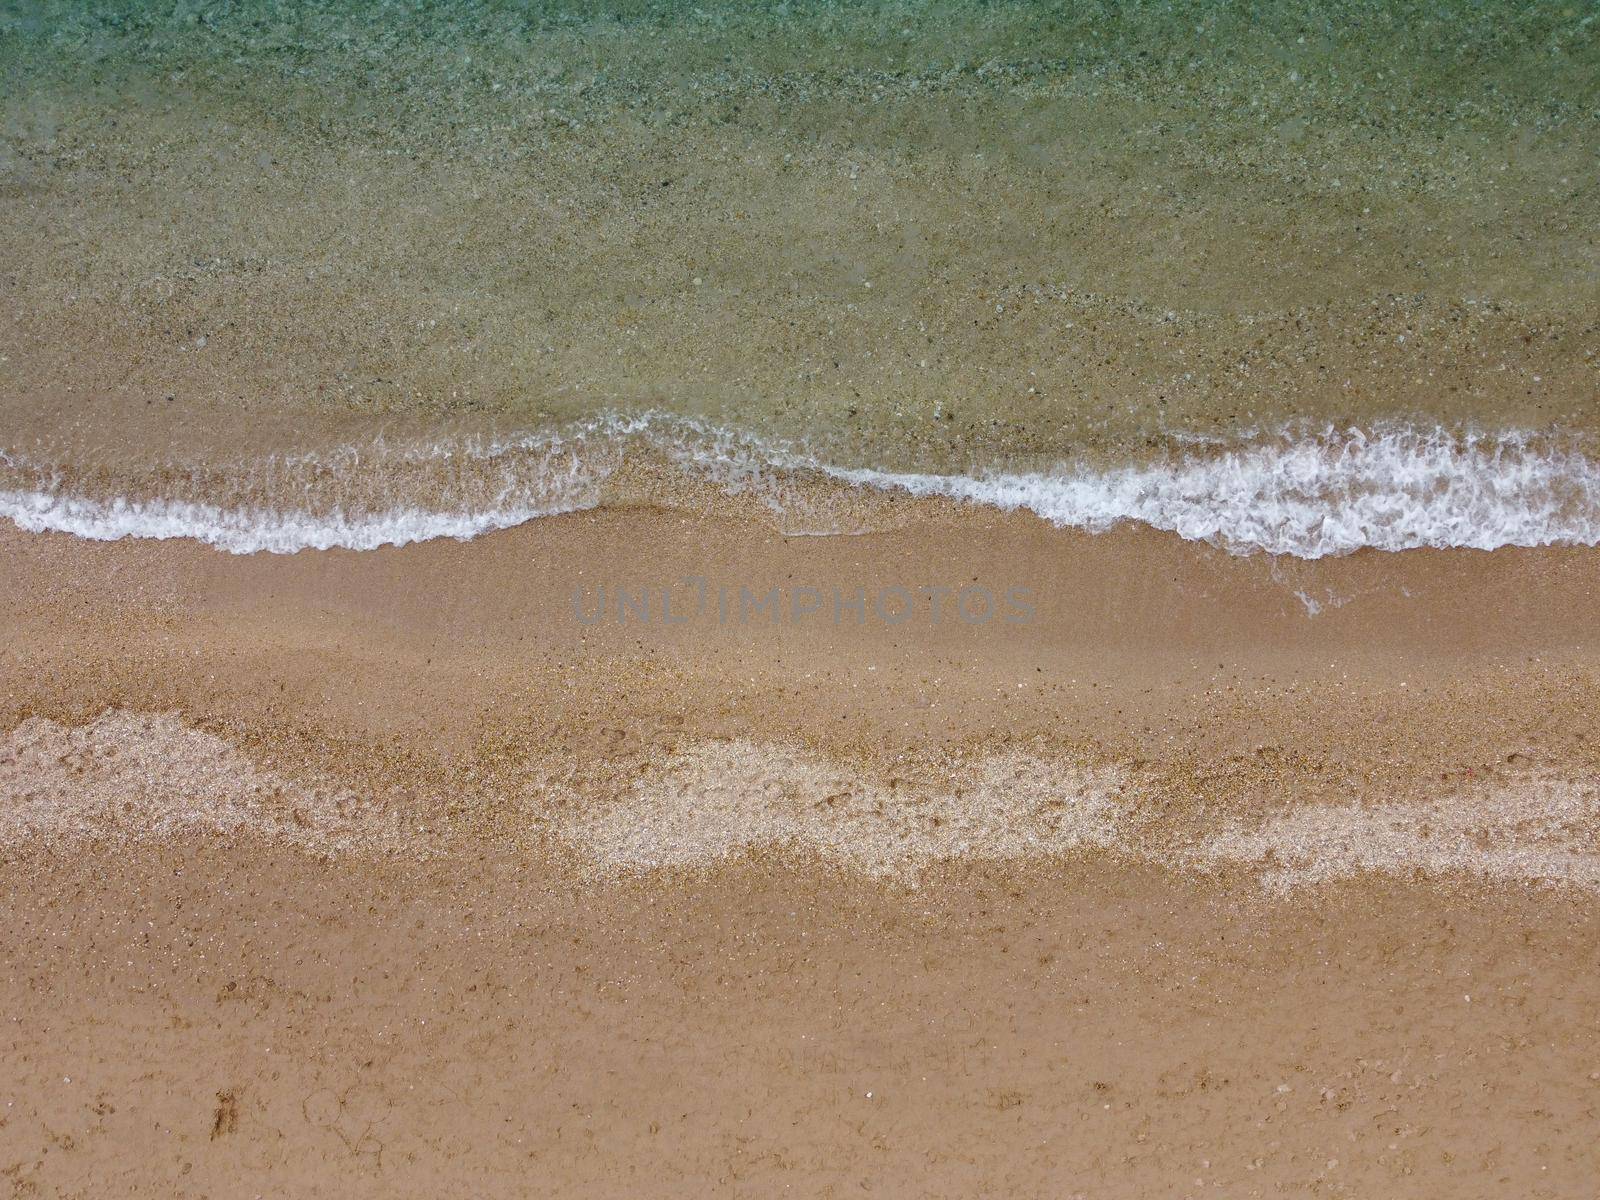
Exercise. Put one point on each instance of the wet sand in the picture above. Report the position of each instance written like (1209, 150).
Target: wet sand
(1138, 646)
(196, 1020)
(349, 874)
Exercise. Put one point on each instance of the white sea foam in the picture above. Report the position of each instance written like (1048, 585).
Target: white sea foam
(1537, 828)
(253, 530)
(1313, 497)
(1306, 495)
(717, 800)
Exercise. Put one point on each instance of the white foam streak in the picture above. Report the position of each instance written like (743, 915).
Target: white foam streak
(1308, 496)
(1316, 497)
(250, 531)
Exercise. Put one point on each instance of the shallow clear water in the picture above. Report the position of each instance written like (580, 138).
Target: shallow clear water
(951, 240)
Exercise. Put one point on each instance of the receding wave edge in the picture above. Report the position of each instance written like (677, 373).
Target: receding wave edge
(1307, 495)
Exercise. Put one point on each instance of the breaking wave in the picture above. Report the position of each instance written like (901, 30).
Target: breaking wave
(1309, 495)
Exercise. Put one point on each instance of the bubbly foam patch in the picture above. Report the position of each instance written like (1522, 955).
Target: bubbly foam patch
(254, 530)
(1306, 495)
(718, 800)
(384, 493)
(134, 777)
(138, 777)
(1538, 829)
(1316, 496)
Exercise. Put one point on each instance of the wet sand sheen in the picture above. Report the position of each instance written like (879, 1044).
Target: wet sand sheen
(488, 672)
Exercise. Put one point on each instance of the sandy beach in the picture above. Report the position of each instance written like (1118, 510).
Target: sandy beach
(621, 598)
(234, 1018)
(319, 885)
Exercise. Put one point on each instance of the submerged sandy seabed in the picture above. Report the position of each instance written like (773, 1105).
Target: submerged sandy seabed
(393, 872)
(930, 238)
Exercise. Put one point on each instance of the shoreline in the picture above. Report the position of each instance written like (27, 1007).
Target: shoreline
(802, 598)
(1301, 492)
